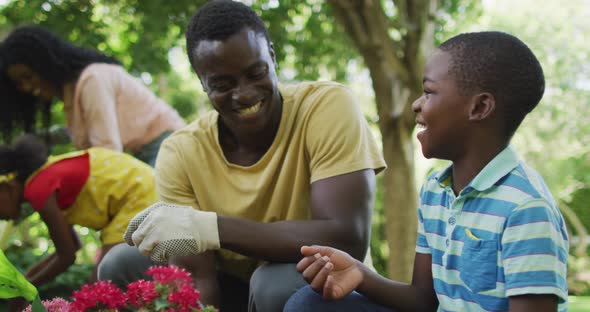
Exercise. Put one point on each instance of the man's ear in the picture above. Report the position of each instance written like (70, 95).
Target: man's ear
(271, 50)
(482, 106)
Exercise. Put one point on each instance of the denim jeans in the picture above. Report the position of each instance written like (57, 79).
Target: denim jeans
(307, 300)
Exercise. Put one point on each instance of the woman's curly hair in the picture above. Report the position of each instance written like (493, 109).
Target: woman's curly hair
(54, 59)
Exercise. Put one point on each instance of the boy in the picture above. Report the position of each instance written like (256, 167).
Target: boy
(490, 236)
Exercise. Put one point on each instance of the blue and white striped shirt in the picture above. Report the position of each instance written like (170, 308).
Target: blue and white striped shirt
(501, 236)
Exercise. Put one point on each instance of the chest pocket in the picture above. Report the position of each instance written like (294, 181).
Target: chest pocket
(479, 268)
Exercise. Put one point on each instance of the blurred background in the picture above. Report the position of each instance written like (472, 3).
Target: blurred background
(377, 48)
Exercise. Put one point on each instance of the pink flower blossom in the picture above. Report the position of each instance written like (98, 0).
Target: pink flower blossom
(56, 304)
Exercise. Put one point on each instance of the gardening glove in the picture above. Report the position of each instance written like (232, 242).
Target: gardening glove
(135, 223)
(168, 230)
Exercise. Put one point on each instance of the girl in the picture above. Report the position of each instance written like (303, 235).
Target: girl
(104, 105)
(96, 188)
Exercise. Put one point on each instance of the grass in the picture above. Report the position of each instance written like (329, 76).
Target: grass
(579, 304)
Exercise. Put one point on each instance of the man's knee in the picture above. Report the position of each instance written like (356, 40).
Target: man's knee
(271, 286)
(122, 265)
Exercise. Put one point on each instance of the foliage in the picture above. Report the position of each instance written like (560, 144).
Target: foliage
(310, 44)
(578, 303)
(13, 283)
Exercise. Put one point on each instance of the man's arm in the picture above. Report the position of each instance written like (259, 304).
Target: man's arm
(340, 217)
(341, 213)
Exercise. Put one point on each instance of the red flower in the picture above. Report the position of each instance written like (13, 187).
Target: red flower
(185, 299)
(141, 293)
(171, 291)
(170, 275)
(101, 294)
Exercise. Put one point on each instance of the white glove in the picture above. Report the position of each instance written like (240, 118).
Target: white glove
(164, 230)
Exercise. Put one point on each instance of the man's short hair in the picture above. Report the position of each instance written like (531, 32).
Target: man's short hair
(501, 64)
(219, 20)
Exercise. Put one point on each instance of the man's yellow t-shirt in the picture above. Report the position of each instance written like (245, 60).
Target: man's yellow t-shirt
(322, 133)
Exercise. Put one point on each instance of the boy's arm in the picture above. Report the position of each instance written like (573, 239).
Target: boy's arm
(64, 239)
(537, 303)
(418, 296)
(335, 274)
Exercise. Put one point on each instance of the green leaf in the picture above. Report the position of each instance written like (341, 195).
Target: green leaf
(13, 283)
(37, 306)
(161, 304)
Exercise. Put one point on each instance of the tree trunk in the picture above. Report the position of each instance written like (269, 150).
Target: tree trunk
(399, 183)
(396, 71)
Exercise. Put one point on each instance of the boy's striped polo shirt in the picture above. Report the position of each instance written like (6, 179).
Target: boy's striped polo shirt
(501, 236)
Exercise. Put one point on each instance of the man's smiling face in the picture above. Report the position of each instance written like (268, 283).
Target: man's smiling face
(239, 77)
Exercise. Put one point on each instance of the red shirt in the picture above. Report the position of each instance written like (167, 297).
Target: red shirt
(65, 177)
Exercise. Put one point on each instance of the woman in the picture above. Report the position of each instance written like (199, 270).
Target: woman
(104, 105)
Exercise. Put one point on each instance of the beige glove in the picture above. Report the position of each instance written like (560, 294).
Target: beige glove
(164, 230)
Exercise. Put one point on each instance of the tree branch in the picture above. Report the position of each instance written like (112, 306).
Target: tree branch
(366, 23)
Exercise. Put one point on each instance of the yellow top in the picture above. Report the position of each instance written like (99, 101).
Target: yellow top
(118, 187)
(322, 133)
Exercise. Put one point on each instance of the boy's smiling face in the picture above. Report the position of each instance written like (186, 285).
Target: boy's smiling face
(442, 113)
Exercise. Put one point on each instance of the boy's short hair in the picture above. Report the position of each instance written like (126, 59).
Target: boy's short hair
(501, 64)
(219, 20)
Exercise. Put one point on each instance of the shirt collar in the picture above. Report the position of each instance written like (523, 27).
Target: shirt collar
(496, 169)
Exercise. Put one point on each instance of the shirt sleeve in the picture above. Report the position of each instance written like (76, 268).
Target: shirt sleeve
(534, 251)
(172, 182)
(38, 190)
(421, 242)
(338, 138)
(98, 100)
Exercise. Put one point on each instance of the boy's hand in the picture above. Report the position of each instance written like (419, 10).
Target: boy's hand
(330, 271)
(165, 230)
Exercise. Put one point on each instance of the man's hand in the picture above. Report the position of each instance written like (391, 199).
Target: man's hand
(330, 271)
(165, 230)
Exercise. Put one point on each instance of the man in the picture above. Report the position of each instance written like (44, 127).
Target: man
(271, 169)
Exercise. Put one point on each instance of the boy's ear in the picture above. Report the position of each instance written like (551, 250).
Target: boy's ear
(482, 106)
